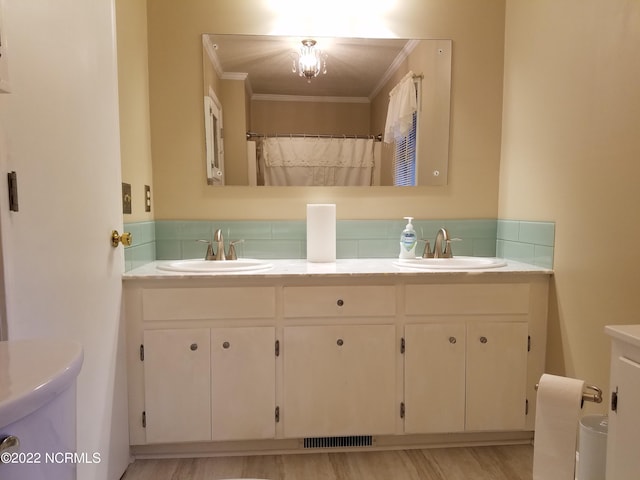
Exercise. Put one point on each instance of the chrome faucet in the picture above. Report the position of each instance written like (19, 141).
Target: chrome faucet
(217, 237)
(438, 250)
(219, 252)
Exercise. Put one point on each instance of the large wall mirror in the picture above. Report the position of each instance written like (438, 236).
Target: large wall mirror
(312, 111)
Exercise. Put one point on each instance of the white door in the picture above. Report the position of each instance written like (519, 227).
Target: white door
(59, 132)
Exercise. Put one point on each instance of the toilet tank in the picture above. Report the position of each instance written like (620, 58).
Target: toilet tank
(38, 409)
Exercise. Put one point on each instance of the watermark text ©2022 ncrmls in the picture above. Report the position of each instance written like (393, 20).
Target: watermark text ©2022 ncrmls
(36, 458)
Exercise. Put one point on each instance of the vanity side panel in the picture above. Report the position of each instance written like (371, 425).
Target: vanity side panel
(132, 309)
(538, 315)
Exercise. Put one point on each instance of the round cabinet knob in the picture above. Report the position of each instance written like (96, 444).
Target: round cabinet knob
(226, 345)
(340, 342)
(194, 347)
(452, 340)
(340, 302)
(483, 340)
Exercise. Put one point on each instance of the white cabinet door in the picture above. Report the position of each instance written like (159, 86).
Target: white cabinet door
(434, 378)
(177, 385)
(243, 383)
(496, 375)
(339, 380)
(623, 461)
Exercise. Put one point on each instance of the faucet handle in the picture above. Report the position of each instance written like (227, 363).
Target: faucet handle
(209, 255)
(427, 250)
(448, 252)
(232, 250)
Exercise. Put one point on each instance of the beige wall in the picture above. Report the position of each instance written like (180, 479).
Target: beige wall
(310, 117)
(234, 120)
(133, 92)
(210, 79)
(571, 154)
(175, 56)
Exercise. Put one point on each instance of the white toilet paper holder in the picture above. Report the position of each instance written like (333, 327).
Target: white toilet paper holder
(593, 394)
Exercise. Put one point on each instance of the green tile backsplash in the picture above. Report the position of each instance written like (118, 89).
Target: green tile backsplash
(143, 247)
(531, 242)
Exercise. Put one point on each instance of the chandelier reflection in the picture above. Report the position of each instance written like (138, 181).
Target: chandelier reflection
(309, 62)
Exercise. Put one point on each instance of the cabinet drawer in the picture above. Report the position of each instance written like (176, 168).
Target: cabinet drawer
(369, 301)
(467, 299)
(208, 303)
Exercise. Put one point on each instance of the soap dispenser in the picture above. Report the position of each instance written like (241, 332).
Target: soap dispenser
(408, 241)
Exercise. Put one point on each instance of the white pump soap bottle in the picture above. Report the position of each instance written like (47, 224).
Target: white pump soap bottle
(408, 241)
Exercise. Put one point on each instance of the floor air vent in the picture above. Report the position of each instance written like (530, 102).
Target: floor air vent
(336, 442)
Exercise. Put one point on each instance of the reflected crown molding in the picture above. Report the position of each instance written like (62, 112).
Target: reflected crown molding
(406, 51)
(301, 98)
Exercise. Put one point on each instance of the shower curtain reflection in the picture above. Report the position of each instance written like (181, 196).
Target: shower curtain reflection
(309, 161)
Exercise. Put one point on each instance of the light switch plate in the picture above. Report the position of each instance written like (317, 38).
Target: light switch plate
(147, 198)
(126, 198)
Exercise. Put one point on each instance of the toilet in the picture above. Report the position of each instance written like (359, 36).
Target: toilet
(38, 409)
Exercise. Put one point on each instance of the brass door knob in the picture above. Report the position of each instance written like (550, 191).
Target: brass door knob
(126, 239)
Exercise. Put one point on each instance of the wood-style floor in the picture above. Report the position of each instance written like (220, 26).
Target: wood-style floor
(476, 463)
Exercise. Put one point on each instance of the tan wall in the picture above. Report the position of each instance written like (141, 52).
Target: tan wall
(234, 121)
(570, 154)
(310, 117)
(209, 76)
(175, 56)
(133, 91)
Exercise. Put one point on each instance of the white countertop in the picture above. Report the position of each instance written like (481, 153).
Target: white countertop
(341, 268)
(34, 372)
(627, 333)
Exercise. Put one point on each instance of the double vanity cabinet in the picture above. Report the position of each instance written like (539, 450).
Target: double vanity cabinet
(277, 359)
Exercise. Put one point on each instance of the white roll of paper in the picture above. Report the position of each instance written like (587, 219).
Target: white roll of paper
(321, 232)
(559, 400)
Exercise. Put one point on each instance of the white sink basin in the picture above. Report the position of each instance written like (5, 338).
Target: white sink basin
(455, 263)
(215, 266)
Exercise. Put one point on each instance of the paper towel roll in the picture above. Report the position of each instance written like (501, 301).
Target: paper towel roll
(321, 232)
(558, 404)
